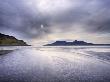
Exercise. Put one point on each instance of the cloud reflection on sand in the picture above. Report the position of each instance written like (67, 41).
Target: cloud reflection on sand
(53, 64)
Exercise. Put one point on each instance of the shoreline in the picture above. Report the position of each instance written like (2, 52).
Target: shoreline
(3, 52)
(15, 45)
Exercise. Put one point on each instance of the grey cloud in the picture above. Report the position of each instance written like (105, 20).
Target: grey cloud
(14, 15)
(92, 16)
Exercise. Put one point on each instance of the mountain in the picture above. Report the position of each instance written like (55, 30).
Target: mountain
(6, 40)
(74, 43)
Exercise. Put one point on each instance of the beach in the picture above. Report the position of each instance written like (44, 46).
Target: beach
(56, 64)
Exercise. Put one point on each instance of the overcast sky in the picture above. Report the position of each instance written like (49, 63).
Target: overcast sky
(41, 21)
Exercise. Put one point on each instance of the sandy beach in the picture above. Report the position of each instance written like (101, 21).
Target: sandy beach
(56, 64)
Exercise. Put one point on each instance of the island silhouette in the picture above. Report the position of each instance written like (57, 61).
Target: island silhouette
(74, 43)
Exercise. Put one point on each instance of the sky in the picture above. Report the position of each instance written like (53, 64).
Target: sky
(42, 21)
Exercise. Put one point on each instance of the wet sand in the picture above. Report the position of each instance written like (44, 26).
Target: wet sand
(3, 52)
(65, 64)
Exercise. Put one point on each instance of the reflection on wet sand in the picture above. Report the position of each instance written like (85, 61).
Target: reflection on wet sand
(63, 64)
(3, 52)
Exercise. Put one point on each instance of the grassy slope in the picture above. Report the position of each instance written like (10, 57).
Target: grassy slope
(10, 40)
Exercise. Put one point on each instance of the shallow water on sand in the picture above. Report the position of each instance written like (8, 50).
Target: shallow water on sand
(55, 64)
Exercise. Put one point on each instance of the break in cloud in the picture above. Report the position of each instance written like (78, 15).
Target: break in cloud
(55, 19)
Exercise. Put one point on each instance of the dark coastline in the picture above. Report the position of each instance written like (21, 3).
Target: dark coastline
(2, 52)
(74, 43)
(7, 40)
(14, 45)
(79, 45)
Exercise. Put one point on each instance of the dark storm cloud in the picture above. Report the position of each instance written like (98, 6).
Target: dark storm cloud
(90, 15)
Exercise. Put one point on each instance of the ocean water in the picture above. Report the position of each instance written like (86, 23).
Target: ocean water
(55, 64)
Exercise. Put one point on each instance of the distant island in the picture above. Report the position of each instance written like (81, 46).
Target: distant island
(6, 40)
(74, 43)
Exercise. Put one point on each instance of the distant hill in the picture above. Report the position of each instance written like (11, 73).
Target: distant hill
(74, 43)
(6, 40)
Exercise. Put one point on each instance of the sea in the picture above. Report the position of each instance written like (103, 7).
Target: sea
(55, 64)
